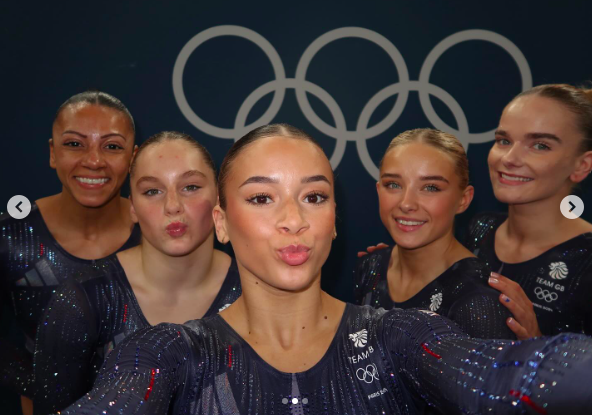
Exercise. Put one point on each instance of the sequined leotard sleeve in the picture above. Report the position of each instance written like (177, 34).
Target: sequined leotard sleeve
(65, 346)
(84, 321)
(32, 266)
(378, 363)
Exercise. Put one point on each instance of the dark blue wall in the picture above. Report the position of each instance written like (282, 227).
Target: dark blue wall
(52, 50)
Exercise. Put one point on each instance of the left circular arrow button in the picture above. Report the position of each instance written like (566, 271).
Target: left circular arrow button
(18, 207)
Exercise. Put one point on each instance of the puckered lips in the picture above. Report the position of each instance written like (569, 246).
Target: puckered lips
(295, 254)
(176, 229)
(513, 179)
(407, 224)
(92, 182)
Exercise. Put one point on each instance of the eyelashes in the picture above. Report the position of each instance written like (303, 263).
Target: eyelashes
(432, 188)
(314, 198)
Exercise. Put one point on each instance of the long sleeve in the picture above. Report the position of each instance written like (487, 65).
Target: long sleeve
(481, 315)
(66, 341)
(457, 374)
(142, 375)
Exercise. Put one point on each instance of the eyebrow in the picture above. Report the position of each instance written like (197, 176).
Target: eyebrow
(102, 137)
(532, 136)
(265, 179)
(317, 178)
(153, 179)
(259, 179)
(193, 173)
(423, 178)
(142, 179)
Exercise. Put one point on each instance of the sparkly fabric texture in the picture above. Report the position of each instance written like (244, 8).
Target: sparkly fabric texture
(32, 265)
(379, 362)
(460, 293)
(84, 321)
(558, 282)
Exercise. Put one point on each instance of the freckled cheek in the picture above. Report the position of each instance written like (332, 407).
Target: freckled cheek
(150, 216)
(200, 210)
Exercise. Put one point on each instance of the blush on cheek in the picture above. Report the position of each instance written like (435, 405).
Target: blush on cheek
(201, 211)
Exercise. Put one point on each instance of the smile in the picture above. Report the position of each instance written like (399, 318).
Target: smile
(409, 224)
(87, 180)
(294, 255)
(513, 179)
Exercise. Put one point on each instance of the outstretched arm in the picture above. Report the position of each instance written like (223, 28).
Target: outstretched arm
(457, 374)
(141, 375)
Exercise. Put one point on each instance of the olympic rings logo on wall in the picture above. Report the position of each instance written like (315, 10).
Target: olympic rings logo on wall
(339, 132)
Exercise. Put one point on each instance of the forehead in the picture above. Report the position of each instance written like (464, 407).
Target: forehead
(282, 155)
(417, 156)
(84, 115)
(538, 114)
(171, 155)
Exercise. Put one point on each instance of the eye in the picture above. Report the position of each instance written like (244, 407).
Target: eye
(431, 188)
(392, 185)
(113, 147)
(316, 198)
(191, 188)
(73, 144)
(260, 199)
(502, 141)
(152, 192)
(541, 146)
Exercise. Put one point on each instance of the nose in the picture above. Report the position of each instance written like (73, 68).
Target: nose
(513, 157)
(94, 158)
(409, 201)
(292, 219)
(172, 204)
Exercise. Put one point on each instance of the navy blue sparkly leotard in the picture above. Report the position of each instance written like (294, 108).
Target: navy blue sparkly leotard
(32, 265)
(379, 362)
(558, 282)
(84, 321)
(460, 293)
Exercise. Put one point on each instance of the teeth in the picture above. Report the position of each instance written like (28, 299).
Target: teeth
(92, 181)
(516, 179)
(409, 222)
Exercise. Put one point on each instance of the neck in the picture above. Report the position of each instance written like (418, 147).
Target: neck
(91, 221)
(283, 318)
(537, 221)
(428, 262)
(173, 274)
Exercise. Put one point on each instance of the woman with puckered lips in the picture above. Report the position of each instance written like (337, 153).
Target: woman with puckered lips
(174, 275)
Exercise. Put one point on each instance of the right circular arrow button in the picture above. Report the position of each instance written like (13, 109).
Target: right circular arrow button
(572, 207)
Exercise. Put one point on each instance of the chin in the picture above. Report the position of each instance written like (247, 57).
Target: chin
(93, 202)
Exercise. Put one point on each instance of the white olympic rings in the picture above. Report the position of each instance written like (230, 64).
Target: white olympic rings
(340, 132)
(546, 295)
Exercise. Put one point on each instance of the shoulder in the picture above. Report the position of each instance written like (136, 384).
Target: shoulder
(373, 262)
(486, 220)
(471, 270)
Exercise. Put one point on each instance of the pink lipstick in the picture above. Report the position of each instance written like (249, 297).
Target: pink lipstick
(176, 229)
(294, 255)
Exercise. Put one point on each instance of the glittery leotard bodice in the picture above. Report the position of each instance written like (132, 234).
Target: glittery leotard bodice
(558, 282)
(460, 293)
(32, 266)
(84, 321)
(379, 362)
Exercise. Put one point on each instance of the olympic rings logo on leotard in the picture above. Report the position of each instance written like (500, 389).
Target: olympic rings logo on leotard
(340, 132)
(545, 295)
(368, 374)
